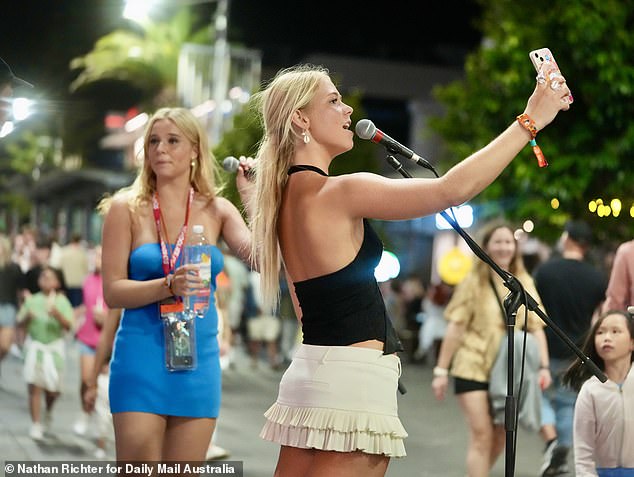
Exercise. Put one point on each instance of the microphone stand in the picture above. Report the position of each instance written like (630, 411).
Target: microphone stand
(517, 296)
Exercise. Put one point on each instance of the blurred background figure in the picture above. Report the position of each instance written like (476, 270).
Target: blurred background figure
(572, 291)
(95, 391)
(233, 297)
(291, 333)
(434, 325)
(74, 265)
(24, 247)
(263, 330)
(472, 341)
(224, 288)
(40, 259)
(11, 284)
(93, 312)
(46, 316)
(412, 292)
(620, 292)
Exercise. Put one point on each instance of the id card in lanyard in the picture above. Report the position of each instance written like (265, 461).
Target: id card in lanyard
(179, 331)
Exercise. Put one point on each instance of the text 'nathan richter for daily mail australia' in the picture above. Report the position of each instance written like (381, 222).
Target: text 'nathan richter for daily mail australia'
(149, 469)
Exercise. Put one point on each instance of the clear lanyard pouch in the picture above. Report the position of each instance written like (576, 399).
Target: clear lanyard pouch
(179, 332)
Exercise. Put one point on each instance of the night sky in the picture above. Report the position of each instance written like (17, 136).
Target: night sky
(40, 37)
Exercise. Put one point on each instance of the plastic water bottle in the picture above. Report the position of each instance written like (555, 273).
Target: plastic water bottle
(198, 252)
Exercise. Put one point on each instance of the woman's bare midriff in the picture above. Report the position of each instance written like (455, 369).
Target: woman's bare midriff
(373, 344)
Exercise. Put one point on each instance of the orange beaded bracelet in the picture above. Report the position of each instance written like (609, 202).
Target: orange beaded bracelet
(527, 123)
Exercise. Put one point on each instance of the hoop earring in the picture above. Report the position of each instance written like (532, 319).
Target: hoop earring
(305, 137)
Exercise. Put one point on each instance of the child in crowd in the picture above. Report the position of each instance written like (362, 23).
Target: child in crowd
(45, 316)
(604, 412)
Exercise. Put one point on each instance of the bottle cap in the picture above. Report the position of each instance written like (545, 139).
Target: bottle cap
(198, 229)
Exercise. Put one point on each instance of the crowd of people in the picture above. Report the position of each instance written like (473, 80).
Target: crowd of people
(305, 247)
(38, 314)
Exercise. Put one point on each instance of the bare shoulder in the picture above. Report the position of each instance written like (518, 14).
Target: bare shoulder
(357, 194)
(221, 206)
(347, 185)
(627, 247)
(356, 179)
(120, 206)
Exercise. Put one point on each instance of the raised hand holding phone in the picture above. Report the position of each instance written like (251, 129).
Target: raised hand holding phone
(548, 75)
(546, 67)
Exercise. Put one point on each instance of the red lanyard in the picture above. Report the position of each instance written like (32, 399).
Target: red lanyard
(170, 262)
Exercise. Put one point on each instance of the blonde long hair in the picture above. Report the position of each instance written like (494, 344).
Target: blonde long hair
(291, 89)
(203, 173)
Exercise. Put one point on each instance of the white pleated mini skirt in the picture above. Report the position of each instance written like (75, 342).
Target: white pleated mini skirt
(338, 398)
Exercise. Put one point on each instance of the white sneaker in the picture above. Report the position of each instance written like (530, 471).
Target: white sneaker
(80, 427)
(216, 452)
(36, 432)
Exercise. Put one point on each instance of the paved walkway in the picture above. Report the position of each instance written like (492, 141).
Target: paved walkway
(436, 445)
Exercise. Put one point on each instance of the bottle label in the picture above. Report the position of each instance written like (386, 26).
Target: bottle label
(205, 270)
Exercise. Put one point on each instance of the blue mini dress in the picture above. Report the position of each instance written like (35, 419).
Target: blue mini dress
(139, 379)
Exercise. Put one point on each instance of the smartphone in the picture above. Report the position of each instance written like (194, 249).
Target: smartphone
(543, 55)
(550, 68)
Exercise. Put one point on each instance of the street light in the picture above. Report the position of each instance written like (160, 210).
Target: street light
(137, 10)
(21, 109)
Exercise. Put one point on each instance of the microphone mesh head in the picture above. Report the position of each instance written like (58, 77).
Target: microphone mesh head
(230, 164)
(365, 129)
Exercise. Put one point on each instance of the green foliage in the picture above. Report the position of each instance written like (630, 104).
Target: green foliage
(589, 146)
(27, 157)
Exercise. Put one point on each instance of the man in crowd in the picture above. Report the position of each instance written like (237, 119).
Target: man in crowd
(572, 291)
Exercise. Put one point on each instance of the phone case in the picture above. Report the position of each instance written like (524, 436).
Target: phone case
(550, 68)
(541, 56)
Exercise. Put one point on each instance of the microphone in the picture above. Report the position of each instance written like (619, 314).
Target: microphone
(366, 129)
(231, 164)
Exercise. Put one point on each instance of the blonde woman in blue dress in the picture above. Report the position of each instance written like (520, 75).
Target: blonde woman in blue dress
(160, 414)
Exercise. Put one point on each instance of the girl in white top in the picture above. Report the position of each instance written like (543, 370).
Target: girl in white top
(604, 413)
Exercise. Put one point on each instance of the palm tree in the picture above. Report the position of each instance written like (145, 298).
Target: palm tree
(144, 61)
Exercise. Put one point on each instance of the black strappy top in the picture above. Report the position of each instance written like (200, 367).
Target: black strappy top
(346, 306)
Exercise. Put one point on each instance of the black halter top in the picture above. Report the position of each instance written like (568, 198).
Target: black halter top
(346, 306)
(305, 167)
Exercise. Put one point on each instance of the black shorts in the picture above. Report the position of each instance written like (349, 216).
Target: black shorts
(466, 385)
